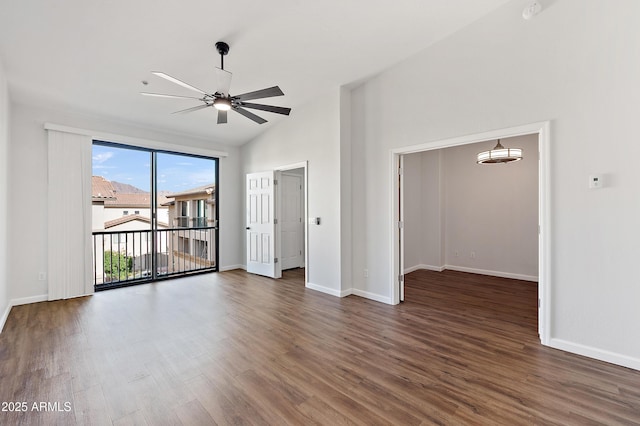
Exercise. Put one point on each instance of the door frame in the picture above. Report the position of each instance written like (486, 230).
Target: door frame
(305, 182)
(300, 179)
(542, 130)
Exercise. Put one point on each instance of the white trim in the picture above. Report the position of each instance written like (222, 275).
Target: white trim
(527, 129)
(327, 290)
(591, 352)
(544, 236)
(140, 142)
(492, 273)
(471, 270)
(394, 234)
(401, 237)
(347, 292)
(423, 266)
(371, 296)
(3, 320)
(31, 299)
(231, 268)
(542, 129)
(302, 165)
(18, 302)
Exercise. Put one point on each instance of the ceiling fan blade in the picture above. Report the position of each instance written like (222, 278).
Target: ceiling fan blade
(160, 95)
(224, 81)
(195, 108)
(268, 108)
(178, 82)
(222, 116)
(264, 93)
(250, 115)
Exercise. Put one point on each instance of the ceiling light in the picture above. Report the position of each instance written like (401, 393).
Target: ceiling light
(222, 104)
(500, 154)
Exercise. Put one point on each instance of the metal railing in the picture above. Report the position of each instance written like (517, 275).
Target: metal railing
(129, 257)
(188, 221)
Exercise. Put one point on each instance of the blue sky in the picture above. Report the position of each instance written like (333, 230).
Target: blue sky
(175, 172)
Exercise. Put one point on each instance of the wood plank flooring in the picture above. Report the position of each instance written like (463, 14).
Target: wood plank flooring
(231, 348)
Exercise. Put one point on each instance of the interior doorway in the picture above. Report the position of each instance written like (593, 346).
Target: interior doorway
(277, 234)
(541, 132)
(291, 218)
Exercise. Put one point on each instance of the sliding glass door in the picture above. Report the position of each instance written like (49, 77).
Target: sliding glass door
(155, 214)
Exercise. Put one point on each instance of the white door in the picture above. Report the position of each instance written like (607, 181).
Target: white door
(291, 226)
(261, 224)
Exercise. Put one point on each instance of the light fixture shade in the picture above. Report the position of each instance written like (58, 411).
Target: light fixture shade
(222, 104)
(500, 154)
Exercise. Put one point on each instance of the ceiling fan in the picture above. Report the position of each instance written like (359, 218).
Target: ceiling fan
(221, 99)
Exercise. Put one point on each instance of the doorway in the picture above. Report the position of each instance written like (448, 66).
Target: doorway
(277, 234)
(291, 219)
(539, 130)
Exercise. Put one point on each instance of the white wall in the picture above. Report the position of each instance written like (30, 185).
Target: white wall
(112, 213)
(28, 176)
(312, 134)
(4, 197)
(503, 71)
(412, 204)
(433, 209)
(424, 227)
(490, 211)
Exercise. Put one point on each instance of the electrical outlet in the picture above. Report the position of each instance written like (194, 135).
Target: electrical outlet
(456, 253)
(472, 254)
(366, 273)
(42, 276)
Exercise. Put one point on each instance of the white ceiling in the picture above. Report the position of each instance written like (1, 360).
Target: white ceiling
(91, 56)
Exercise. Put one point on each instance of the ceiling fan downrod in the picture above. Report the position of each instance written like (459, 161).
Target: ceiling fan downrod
(223, 49)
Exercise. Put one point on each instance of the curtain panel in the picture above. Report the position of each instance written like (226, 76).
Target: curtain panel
(70, 261)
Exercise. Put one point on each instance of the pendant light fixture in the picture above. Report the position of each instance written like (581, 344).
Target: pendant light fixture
(500, 154)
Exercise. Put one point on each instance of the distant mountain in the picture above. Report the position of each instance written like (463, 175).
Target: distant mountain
(125, 188)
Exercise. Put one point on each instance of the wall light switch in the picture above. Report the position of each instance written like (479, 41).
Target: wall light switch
(595, 182)
(314, 221)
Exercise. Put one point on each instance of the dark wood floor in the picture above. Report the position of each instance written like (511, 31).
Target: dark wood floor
(230, 348)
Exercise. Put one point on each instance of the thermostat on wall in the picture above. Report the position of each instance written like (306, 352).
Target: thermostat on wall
(595, 181)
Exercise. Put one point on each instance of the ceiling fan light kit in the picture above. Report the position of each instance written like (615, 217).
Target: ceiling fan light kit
(500, 155)
(221, 100)
(222, 104)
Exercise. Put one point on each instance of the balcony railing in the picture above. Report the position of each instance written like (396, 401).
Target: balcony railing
(190, 222)
(129, 257)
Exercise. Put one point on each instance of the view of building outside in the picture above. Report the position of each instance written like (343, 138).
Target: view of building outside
(121, 213)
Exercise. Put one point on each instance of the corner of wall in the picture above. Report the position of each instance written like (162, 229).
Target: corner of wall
(5, 307)
(346, 243)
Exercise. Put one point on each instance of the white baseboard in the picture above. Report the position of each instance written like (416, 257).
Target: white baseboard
(372, 296)
(5, 315)
(345, 293)
(423, 266)
(492, 273)
(20, 301)
(231, 267)
(31, 299)
(600, 354)
(323, 289)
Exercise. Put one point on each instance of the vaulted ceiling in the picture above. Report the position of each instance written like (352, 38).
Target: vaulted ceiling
(91, 56)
